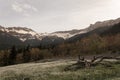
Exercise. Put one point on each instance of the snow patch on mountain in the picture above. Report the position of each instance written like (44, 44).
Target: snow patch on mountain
(22, 33)
(23, 39)
(68, 34)
(62, 35)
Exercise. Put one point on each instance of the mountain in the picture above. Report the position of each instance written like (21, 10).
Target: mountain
(22, 33)
(56, 38)
(29, 36)
(24, 36)
(51, 41)
(62, 34)
(7, 40)
(109, 27)
(67, 34)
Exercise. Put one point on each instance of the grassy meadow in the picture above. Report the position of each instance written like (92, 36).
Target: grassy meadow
(54, 70)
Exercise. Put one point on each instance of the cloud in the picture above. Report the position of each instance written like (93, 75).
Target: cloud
(52, 15)
(17, 7)
(29, 7)
(24, 8)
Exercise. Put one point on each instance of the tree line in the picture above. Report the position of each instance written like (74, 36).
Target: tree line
(93, 44)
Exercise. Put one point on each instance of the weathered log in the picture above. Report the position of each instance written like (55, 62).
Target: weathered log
(88, 64)
(83, 63)
(81, 58)
(97, 60)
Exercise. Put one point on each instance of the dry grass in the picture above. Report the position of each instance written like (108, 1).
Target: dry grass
(54, 70)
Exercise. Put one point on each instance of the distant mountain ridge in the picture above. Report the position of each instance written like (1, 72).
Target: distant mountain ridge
(101, 28)
(24, 36)
(21, 33)
(24, 33)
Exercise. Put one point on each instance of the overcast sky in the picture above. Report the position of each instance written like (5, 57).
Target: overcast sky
(56, 15)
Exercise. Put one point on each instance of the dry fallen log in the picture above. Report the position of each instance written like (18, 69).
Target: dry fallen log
(84, 63)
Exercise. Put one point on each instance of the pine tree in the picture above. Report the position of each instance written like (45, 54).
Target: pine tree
(26, 54)
(12, 55)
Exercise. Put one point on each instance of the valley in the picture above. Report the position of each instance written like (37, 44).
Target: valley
(28, 55)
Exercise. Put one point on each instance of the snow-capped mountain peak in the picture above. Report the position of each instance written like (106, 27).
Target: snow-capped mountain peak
(22, 33)
(21, 30)
(66, 34)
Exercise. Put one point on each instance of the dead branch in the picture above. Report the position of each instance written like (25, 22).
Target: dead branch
(97, 60)
(81, 58)
(84, 63)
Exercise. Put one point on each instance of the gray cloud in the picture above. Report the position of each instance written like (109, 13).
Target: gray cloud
(52, 15)
(24, 8)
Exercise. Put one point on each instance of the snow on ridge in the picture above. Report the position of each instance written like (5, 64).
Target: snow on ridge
(65, 35)
(21, 31)
(2, 29)
(23, 39)
(62, 35)
(32, 33)
(27, 34)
